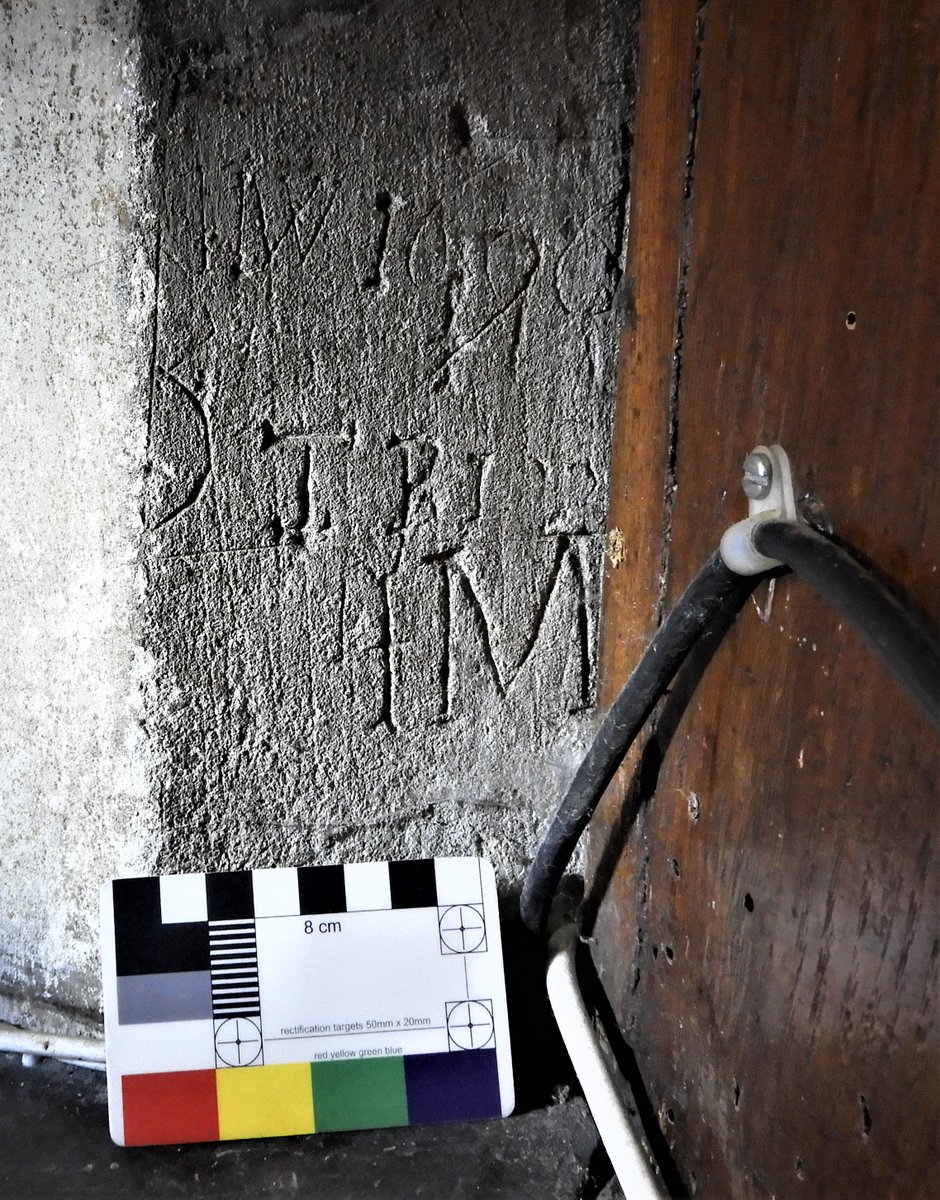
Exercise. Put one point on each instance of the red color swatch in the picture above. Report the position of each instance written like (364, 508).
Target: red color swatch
(174, 1106)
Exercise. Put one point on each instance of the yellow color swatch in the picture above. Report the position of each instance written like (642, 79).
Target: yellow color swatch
(264, 1101)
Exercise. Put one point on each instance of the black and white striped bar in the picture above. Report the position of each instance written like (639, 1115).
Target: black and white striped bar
(233, 965)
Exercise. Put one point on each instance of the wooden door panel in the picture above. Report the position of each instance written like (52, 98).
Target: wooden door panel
(769, 936)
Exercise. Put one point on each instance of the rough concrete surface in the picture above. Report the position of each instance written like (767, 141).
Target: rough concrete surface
(307, 371)
(75, 798)
(388, 243)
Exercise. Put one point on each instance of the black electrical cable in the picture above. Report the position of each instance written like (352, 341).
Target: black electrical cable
(907, 647)
(895, 634)
(713, 591)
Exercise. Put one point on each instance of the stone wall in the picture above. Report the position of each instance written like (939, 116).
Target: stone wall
(376, 391)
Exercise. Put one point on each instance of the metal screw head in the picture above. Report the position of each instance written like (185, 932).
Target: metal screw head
(758, 476)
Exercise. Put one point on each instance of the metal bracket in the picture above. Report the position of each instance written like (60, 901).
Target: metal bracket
(769, 487)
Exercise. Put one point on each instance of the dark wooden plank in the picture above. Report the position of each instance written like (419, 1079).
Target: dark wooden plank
(643, 435)
(784, 1010)
(640, 481)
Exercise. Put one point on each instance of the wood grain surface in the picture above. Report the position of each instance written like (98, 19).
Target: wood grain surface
(769, 893)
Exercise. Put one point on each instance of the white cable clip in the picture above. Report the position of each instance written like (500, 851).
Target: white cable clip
(768, 486)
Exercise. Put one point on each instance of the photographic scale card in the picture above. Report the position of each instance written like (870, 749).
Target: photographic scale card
(296, 1000)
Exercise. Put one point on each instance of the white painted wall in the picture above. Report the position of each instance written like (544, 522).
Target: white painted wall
(75, 799)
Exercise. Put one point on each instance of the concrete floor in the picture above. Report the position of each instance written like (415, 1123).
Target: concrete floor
(54, 1128)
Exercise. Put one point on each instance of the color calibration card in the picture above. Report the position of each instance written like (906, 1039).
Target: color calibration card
(303, 999)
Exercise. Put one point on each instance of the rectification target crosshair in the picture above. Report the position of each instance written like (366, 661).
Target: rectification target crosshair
(462, 929)
(238, 1043)
(470, 1024)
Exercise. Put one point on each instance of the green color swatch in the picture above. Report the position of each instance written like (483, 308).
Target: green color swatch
(366, 1093)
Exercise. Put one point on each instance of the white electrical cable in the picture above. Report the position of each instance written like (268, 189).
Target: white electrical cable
(629, 1161)
(77, 1051)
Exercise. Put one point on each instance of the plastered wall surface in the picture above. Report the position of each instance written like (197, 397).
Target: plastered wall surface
(75, 799)
(312, 405)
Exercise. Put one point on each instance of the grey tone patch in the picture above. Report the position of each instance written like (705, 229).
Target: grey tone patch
(388, 246)
(178, 996)
(74, 778)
